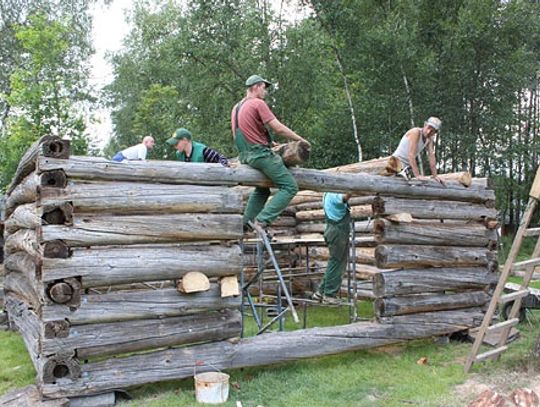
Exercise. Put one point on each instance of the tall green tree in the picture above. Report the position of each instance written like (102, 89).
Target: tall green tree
(44, 89)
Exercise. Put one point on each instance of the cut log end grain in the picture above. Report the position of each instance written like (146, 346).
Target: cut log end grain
(229, 287)
(193, 282)
(294, 153)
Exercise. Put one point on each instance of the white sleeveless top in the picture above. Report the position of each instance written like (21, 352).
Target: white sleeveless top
(402, 151)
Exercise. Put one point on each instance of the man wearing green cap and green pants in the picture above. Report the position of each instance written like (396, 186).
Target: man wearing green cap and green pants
(248, 120)
(188, 150)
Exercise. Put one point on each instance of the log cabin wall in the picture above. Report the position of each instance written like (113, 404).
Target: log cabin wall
(93, 249)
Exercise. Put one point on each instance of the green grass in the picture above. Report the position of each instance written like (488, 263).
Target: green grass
(16, 369)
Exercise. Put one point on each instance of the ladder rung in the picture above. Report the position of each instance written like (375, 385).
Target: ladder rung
(512, 296)
(526, 264)
(490, 353)
(532, 232)
(504, 324)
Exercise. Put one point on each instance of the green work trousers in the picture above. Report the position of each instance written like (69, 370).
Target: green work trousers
(336, 236)
(270, 164)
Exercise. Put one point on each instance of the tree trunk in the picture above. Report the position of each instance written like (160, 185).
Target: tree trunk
(131, 264)
(433, 209)
(139, 304)
(130, 197)
(414, 256)
(417, 281)
(411, 304)
(173, 172)
(144, 229)
(130, 336)
(440, 234)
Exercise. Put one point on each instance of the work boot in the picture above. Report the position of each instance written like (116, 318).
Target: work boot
(327, 300)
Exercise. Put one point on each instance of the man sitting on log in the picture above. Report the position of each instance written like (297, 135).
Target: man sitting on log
(190, 151)
(411, 145)
(248, 120)
(137, 152)
(336, 235)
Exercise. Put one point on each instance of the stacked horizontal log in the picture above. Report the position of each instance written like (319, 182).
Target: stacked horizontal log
(91, 265)
(94, 246)
(445, 257)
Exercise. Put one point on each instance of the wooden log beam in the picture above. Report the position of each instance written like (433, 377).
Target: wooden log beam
(265, 349)
(61, 365)
(361, 211)
(377, 166)
(28, 190)
(24, 288)
(30, 396)
(414, 256)
(433, 209)
(173, 172)
(411, 304)
(471, 317)
(364, 255)
(365, 226)
(293, 153)
(28, 324)
(463, 177)
(416, 281)
(139, 304)
(131, 264)
(131, 336)
(133, 197)
(49, 146)
(318, 204)
(143, 229)
(29, 216)
(436, 233)
(23, 240)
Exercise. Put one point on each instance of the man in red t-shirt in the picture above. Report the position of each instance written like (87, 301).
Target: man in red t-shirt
(249, 119)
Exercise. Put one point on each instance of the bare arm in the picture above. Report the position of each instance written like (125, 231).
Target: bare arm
(414, 136)
(432, 160)
(281, 130)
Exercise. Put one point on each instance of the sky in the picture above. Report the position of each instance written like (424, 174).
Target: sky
(109, 29)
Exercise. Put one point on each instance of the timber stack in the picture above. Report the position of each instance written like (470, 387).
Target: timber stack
(141, 260)
(440, 256)
(91, 264)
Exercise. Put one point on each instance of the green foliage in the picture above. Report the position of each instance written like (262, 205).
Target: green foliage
(44, 90)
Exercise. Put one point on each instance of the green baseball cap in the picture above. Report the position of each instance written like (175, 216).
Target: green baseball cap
(178, 135)
(254, 79)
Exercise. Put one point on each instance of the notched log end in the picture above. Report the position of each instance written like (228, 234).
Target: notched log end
(60, 367)
(56, 329)
(67, 292)
(53, 179)
(56, 148)
(56, 249)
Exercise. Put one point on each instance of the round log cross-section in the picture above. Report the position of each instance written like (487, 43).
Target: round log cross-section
(60, 367)
(61, 293)
(54, 179)
(56, 148)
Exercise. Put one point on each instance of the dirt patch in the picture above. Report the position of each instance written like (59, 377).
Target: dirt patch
(503, 383)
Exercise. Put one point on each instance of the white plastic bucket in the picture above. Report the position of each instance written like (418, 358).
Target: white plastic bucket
(212, 387)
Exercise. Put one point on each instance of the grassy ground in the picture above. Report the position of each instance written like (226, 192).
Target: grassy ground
(388, 376)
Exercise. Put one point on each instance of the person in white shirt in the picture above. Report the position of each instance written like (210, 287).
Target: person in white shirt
(137, 152)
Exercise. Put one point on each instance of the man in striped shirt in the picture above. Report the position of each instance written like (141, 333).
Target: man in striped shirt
(190, 151)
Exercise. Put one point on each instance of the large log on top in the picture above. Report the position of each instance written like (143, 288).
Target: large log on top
(415, 281)
(130, 336)
(410, 256)
(436, 233)
(411, 304)
(138, 304)
(265, 349)
(434, 209)
(129, 197)
(131, 264)
(133, 229)
(172, 172)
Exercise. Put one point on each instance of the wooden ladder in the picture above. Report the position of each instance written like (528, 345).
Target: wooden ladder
(498, 298)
